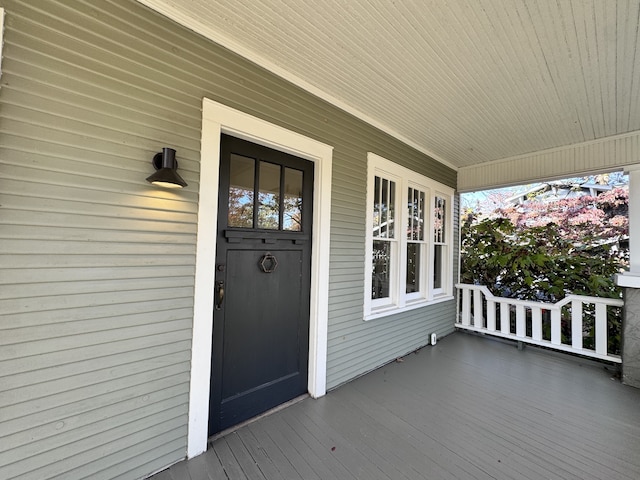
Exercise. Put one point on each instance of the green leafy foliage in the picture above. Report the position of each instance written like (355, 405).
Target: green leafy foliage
(535, 263)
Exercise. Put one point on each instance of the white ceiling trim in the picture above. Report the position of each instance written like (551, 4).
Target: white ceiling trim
(178, 15)
(1, 36)
(602, 155)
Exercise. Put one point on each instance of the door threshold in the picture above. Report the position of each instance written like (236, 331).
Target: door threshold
(282, 406)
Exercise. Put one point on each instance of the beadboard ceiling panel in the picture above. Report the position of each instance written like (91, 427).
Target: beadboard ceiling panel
(467, 81)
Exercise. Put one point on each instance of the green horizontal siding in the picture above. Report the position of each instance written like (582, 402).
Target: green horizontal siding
(97, 266)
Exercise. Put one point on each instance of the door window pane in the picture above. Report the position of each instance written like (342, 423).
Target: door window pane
(241, 187)
(292, 217)
(381, 272)
(269, 196)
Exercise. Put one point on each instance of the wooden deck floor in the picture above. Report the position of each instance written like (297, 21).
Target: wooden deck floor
(466, 408)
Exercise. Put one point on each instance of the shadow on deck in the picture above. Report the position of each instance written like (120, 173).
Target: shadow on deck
(466, 408)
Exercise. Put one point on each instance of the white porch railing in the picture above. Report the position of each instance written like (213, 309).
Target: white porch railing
(481, 311)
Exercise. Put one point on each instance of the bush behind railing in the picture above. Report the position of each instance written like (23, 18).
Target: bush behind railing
(542, 263)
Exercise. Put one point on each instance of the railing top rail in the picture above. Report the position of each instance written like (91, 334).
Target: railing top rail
(617, 302)
(469, 286)
(545, 305)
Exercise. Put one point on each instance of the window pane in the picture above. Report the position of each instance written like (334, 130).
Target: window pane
(421, 217)
(415, 212)
(384, 208)
(376, 208)
(241, 186)
(410, 215)
(381, 272)
(269, 196)
(439, 220)
(413, 267)
(438, 254)
(292, 218)
(392, 209)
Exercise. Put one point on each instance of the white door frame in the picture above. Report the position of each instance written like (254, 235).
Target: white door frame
(218, 119)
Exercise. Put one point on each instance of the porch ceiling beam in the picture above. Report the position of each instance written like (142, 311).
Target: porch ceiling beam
(597, 156)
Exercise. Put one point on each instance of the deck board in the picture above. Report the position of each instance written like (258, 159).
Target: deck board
(318, 447)
(265, 433)
(198, 468)
(466, 408)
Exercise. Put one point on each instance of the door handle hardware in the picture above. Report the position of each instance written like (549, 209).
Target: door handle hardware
(268, 263)
(219, 294)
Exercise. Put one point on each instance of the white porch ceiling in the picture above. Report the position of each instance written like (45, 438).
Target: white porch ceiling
(467, 81)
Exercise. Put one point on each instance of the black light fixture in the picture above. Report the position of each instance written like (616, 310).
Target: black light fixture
(166, 165)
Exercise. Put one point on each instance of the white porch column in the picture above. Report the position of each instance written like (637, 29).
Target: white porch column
(631, 282)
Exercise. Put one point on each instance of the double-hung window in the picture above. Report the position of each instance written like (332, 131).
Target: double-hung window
(408, 261)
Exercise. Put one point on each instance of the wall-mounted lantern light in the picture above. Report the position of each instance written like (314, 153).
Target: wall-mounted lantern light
(166, 165)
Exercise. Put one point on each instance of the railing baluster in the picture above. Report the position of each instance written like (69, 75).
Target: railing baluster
(505, 320)
(521, 321)
(556, 326)
(478, 320)
(536, 323)
(491, 315)
(576, 324)
(466, 307)
(601, 328)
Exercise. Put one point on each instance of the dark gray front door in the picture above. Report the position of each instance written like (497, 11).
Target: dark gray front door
(262, 284)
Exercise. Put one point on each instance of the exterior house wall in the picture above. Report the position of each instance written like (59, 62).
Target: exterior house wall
(97, 267)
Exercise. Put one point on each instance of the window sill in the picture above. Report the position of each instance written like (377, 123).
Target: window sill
(392, 310)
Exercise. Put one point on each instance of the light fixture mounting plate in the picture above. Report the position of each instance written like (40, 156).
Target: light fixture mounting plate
(157, 161)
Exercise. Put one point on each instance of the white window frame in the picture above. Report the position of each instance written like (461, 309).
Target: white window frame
(389, 302)
(398, 300)
(446, 273)
(423, 271)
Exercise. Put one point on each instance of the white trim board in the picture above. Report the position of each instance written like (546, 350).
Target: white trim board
(1, 36)
(218, 119)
